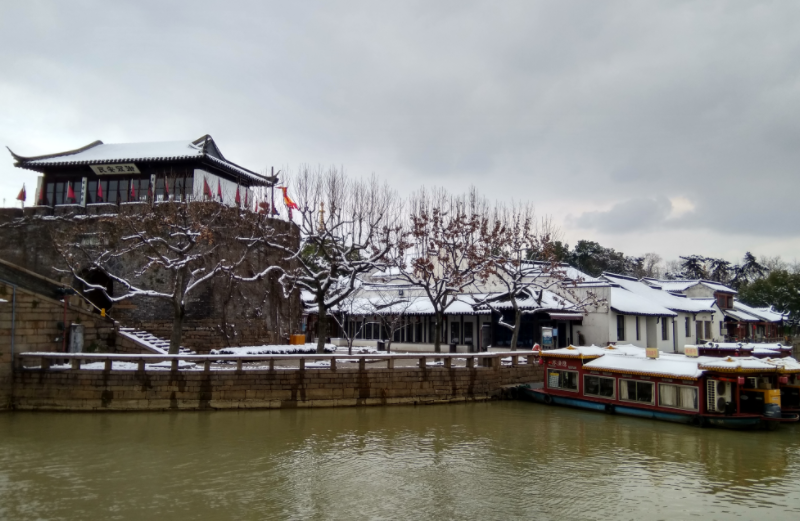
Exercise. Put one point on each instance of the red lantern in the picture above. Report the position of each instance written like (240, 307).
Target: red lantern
(740, 380)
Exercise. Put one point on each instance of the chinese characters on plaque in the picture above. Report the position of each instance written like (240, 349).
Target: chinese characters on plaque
(118, 168)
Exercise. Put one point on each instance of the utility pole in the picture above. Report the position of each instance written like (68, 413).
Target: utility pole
(272, 193)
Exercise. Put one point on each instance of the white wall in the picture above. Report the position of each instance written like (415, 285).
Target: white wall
(228, 188)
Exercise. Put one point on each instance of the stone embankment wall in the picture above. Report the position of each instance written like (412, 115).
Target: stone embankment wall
(191, 390)
(39, 328)
(220, 313)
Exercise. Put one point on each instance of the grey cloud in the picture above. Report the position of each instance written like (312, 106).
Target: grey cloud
(557, 101)
(631, 215)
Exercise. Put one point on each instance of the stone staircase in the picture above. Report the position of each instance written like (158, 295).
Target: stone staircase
(150, 342)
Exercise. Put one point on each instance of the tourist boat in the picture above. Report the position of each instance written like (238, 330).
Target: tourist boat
(699, 390)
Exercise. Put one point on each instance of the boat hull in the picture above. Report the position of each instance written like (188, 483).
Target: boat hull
(726, 422)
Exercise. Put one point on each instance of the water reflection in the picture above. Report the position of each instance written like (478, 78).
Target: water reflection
(480, 461)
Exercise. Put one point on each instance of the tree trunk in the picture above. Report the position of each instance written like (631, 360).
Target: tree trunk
(437, 333)
(179, 311)
(322, 326)
(517, 328)
(177, 327)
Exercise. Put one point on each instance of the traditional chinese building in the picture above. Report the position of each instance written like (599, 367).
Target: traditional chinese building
(129, 172)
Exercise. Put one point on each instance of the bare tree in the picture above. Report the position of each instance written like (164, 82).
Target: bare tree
(391, 310)
(652, 265)
(443, 251)
(524, 265)
(166, 252)
(352, 306)
(347, 227)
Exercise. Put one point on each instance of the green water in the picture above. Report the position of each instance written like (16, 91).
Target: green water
(501, 460)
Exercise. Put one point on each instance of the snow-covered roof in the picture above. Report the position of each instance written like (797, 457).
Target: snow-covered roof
(744, 346)
(760, 313)
(787, 365)
(549, 301)
(626, 302)
(658, 296)
(742, 364)
(682, 285)
(741, 315)
(411, 306)
(683, 368)
(99, 152)
(573, 351)
(593, 351)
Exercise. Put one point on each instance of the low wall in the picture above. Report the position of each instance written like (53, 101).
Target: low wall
(37, 389)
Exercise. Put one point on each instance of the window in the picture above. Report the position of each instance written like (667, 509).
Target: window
(562, 379)
(455, 336)
(664, 330)
(688, 327)
(633, 390)
(468, 332)
(698, 330)
(598, 386)
(708, 330)
(620, 327)
(637, 329)
(720, 328)
(677, 396)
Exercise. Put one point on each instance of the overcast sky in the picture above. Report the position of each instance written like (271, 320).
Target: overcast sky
(670, 127)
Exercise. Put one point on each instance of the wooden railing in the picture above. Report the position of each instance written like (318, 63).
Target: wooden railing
(75, 360)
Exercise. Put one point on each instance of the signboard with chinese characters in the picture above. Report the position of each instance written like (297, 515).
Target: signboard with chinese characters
(691, 351)
(651, 353)
(117, 168)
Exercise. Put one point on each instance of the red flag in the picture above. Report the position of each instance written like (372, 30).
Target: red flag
(219, 190)
(42, 197)
(238, 199)
(288, 201)
(70, 193)
(206, 188)
(22, 196)
(149, 190)
(100, 191)
(133, 191)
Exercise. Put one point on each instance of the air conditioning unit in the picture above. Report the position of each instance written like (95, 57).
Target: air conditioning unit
(718, 395)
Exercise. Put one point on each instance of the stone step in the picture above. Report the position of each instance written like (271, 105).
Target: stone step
(152, 339)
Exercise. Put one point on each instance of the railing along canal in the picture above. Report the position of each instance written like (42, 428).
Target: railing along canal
(74, 361)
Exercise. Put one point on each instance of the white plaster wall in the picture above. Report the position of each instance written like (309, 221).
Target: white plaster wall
(228, 188)
(594, 329)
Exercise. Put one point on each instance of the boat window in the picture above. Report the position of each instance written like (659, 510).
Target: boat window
(562, 379)
(598, 386)
(632, 390)
(677, 396)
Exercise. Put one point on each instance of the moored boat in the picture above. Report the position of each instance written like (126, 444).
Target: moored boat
(700, 390)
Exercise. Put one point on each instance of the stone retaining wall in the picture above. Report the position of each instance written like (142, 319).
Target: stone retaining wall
(191, 390)
(39, 327)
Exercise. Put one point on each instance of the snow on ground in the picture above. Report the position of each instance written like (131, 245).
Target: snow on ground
(308, 348)
(126, 365)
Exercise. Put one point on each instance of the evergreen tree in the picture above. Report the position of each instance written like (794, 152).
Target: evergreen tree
(693, 267)
(781, 290)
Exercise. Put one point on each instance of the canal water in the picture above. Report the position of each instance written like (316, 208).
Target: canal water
(500, 460)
